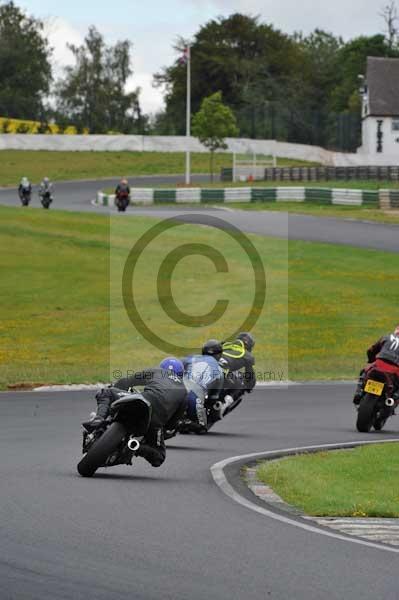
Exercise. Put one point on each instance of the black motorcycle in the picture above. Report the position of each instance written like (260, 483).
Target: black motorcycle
(116, 441)
(46, 199)
(122, 201)
(379, 400)
(213, 415)
(25, 197)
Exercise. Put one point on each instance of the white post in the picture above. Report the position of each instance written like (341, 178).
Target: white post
(188, 115)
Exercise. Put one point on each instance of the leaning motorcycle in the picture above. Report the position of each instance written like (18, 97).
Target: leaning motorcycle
(378, 402)
(46, 199)
(122, 201)
(116, 441)
(213, 415)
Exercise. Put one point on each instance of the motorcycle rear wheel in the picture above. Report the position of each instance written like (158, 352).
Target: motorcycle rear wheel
(365, 415)
(101, 449)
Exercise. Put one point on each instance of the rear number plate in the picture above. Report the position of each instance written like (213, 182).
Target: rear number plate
(374, 387)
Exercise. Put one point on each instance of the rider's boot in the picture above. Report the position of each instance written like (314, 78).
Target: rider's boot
(359, 388)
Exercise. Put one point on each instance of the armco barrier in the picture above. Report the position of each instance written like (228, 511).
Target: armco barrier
(340, 196)
(290, 194)
(389, 199)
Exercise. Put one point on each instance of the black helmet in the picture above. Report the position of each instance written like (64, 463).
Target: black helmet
(212, 348)
(247, 339)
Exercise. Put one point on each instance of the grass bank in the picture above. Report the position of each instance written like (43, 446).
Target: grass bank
(352, 184)
(361, 482)
(62, 298)
(91, 165)
(58, 287)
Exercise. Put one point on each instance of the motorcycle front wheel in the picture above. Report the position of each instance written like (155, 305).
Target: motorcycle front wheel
(101, 449)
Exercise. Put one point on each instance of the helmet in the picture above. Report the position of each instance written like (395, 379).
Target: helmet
(24, 181)
(247, 339)
(173, 364)
(212, 348)
(46, 180)
(124, 181)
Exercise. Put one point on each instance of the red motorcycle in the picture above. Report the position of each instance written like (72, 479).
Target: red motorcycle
(379, 400)
(122, 200)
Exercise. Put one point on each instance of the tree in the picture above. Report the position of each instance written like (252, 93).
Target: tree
(352, 59)
(244, 59)
(313, 85)
(213, 123)
(390, 15)
(25, 70)
(93, 92)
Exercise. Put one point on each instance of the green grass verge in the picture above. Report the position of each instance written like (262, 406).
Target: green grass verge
(56, 294)
(90, 165)
(55, 307)
(54, 297)
(353, 184)
(361, 482)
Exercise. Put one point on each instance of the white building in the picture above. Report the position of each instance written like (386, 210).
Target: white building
(380, 109)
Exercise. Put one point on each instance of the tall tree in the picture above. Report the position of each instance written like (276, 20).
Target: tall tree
(93, 92)
(308, 93)
(244, 59)
(25, 70)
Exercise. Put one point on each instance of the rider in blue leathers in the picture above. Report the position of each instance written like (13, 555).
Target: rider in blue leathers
(204, 378)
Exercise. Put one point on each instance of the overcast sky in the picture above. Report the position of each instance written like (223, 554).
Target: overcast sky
(153, 26)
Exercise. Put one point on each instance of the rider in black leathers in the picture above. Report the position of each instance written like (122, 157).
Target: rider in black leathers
(165, 390)
(237, 362)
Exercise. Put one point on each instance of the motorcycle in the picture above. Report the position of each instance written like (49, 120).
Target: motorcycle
(213, 415)
(379, 400)
(116, 441)
(25, 197)
(122, 201)
(46, 199)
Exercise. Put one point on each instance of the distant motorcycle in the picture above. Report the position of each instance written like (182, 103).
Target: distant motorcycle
(25, 197)
(46, 199)
(122, 201)
(117, 441)
(379, 400)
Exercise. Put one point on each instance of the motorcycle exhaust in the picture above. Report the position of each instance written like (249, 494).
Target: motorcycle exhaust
(133, 444)
(390, 402)
(218, 405)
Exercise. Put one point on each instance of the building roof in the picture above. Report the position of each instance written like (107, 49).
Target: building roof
(383, 86)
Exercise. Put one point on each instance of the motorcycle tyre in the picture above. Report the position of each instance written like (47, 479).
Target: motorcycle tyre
(365, 415)
(101, 449)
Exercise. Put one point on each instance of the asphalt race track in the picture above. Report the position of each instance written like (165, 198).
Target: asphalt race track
(144, 533)
(170, 533)
(77, 195)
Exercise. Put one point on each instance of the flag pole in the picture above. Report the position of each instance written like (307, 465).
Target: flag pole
(188, 115)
